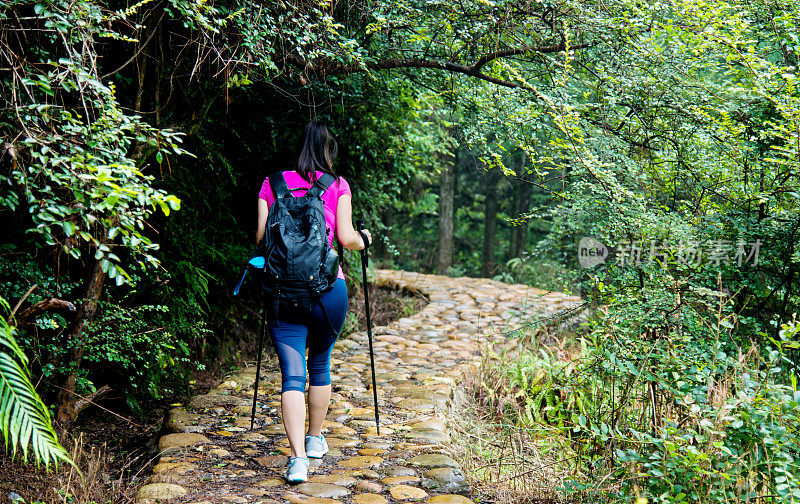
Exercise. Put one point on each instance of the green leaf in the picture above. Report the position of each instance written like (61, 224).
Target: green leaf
(164, 207)
(174, 202)
(69, 228)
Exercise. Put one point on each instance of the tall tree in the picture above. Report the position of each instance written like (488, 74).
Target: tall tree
(492, 178)
(521, 204)
(72, 174)
(447, 186)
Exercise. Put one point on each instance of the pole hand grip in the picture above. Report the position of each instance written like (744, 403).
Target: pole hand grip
(360, 227)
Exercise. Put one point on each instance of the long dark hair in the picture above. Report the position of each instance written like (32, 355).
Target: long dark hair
(319, 151)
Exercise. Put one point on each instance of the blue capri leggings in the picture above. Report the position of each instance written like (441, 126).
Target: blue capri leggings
(293, 335)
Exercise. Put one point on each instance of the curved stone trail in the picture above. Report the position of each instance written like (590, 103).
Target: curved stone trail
(212, 457)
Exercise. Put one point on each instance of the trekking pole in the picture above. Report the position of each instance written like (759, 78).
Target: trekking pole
(258, 365)
(364, 263)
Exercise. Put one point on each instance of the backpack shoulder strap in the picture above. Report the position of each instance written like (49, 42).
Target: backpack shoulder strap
(278, 185)
(321, 185)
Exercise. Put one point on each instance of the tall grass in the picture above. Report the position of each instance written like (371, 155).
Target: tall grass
(95, 479)
(662, 417)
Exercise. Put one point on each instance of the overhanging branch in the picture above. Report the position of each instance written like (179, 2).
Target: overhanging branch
(326, 67)
(504, 53)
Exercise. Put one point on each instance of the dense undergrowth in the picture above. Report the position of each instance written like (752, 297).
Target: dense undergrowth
(692, 412)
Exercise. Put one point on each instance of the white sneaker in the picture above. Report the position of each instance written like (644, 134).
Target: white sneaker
(316, 446)
(297, 472)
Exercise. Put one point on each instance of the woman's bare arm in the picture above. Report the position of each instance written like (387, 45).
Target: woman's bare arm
(348, 236)
(263, 211)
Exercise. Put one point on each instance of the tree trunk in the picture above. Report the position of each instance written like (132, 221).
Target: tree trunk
(490, 224)
(522, 203)
(446, 215)
(519, 233)
(75, 339)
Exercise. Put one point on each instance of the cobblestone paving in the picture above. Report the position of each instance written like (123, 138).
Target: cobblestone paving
(212, 457)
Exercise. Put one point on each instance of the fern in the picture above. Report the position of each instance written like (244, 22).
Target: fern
(24, 418)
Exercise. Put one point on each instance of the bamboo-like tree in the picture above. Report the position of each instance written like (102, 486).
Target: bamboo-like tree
(24, 418)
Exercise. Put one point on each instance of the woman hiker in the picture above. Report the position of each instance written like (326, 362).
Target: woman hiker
(293, 334)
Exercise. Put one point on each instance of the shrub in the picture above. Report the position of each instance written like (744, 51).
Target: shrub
(144, 348)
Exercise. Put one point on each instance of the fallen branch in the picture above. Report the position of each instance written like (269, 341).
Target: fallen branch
(31, 312)
(89, 400)
(86, 401)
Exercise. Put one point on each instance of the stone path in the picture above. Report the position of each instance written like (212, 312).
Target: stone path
(212, 457)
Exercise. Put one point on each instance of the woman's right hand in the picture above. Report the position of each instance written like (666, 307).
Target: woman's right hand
(369, 238)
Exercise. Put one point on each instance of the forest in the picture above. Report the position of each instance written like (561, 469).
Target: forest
(642, 155)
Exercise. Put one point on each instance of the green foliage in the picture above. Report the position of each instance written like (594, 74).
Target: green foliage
(142, 350)
(691, 418)
(78, 200)
(19, 272)
(543, 274)
(73, 173)
(680, 136)
(24, 418)
(147, 346)
(74, 181)
(49, 356)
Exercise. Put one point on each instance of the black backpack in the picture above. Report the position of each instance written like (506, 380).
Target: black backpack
(294, 262)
